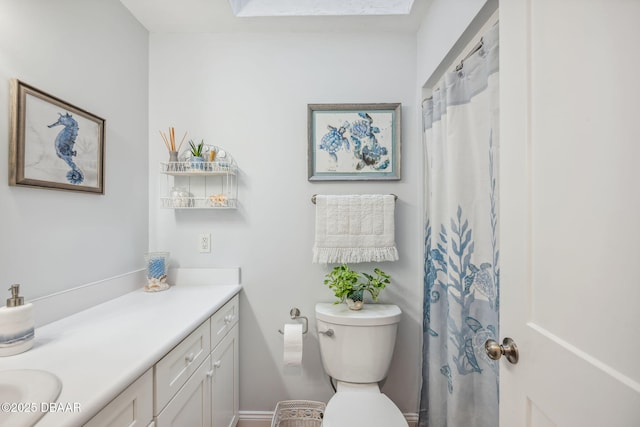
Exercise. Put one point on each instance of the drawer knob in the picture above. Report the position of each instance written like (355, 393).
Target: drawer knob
(228, 318)
(189, 357)
(210, 374)
(217, 363)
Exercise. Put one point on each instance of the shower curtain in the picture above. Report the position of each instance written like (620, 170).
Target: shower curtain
(461, 270)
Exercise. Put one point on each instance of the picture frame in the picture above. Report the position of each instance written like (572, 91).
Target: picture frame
(54, 144)
(354, 141)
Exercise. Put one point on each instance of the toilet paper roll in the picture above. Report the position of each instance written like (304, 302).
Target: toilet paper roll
(292, 344)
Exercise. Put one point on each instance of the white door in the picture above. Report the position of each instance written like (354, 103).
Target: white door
(570, 212)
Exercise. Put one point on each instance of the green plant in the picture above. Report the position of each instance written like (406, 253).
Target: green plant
(346, 283)
(196, 150)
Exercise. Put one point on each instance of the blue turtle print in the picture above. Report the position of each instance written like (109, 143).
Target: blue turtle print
(366, 149)
(333, 141)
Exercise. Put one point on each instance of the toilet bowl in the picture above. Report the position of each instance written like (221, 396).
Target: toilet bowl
(356, 348)
(363, 407)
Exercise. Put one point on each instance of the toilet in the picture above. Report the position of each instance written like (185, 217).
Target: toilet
(356, 349)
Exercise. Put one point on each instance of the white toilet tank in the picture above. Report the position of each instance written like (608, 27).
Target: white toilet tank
(360, 348)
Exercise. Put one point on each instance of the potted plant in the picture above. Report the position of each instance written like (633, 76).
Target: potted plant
(197, 161)
(349, 286)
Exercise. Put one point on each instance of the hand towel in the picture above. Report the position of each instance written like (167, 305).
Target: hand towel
(355, 228)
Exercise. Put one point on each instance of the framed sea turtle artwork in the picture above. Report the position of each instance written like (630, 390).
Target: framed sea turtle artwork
(53, 144)
(354, 141)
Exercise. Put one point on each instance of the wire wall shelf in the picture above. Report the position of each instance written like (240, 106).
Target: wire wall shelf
(186, 202)
(200, 168)
(193, 183)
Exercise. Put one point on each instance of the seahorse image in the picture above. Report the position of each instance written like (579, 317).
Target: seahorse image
(64, 145)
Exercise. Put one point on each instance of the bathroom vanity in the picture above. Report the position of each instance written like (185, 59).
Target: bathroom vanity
(147, 359)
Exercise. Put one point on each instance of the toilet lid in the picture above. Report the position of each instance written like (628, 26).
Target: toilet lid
(349, 409)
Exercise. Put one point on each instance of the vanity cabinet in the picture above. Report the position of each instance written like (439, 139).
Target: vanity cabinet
(132, 408)
(209, 398)
(195, 384)
(201, 387)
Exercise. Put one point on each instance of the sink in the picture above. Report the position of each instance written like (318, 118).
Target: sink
(22, 393)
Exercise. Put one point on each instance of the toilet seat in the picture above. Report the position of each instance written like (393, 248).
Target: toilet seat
(357, 409)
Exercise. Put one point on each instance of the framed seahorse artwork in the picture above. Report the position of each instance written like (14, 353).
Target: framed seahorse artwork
(54, 145)
(354, 141)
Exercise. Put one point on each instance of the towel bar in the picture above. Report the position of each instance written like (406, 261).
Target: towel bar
(313, 198)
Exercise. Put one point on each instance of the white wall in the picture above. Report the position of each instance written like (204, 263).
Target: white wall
(444, 31)
(249, 93)
(93, 55)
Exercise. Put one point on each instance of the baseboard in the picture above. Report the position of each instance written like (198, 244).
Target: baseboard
(263, 419)
(412, 419)
(255, 419)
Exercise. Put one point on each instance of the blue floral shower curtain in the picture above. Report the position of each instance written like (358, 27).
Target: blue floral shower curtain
(461, 270)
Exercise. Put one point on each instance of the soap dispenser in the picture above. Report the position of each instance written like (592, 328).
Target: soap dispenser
(16, 324)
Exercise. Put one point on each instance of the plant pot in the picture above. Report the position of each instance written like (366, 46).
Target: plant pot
(355, 300)
(197, 163)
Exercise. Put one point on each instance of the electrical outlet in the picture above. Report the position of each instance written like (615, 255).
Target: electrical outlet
(204, 242)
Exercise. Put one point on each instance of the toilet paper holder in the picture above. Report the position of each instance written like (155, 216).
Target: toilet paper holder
(295, 314)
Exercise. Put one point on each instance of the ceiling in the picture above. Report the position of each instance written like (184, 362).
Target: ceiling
(178, 16)
(319, 7)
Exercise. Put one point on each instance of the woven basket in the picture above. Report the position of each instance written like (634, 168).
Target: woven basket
(298, 413)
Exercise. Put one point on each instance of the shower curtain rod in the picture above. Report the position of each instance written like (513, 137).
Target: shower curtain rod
(475, 48)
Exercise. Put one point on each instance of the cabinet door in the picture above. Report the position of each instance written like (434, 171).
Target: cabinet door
(191, 406)
(132, 407)
(224, 382)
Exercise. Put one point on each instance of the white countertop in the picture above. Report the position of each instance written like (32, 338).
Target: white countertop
(98, 352)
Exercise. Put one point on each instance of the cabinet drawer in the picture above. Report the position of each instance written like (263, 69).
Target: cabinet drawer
(223, 320)
(132, 407)
(173, 370)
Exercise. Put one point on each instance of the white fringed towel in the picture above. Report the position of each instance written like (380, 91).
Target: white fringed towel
(355, 228)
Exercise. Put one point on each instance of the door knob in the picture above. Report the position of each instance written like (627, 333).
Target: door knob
(508, 349)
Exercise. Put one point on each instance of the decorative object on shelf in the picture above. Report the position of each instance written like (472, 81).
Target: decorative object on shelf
(354, 141)
(54, 144)
(197, 161)
(170, 143)
(348, 285)
(218, 200)
(157, 266)
(181, 198)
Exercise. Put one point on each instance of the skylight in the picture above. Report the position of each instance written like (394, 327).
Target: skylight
(248, 8)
